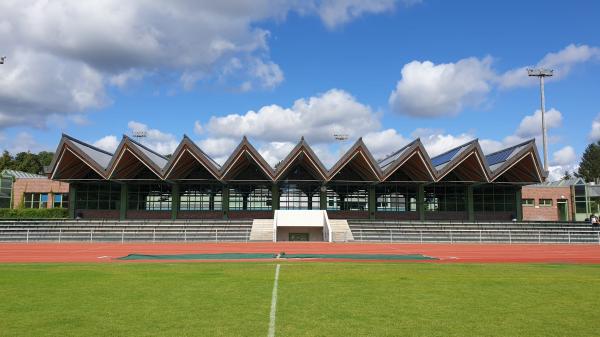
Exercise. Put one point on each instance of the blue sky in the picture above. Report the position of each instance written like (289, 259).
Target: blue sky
(447, 71)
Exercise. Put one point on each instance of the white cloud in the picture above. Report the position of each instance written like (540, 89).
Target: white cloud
(337, 12)
(429, 90)
(161, 142)
(218, 148)
(269, 74)
(385, 142)
(531, 125)
(317, 118)
(107, 143)
(274, 152)
(564, 156)
(63, 54)
(426, 89)
(562, 62)
(22, 142)
(595, 131)
(198, 129)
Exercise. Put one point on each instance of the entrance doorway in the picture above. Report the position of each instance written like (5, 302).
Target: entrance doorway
(298, 236)
(563, 210)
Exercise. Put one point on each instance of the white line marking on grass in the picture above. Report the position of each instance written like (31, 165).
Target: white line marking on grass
(273, 304)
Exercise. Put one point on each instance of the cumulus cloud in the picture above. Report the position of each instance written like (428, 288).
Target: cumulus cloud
(317, 118)
(430, 90)
(159, 141)
(63, 54)
(531, 125)
(426, 89)
(218, 148)
(22, 142)
(564, 156)
(107, 143)
(595, 130)
(385, 142)
(337, 12)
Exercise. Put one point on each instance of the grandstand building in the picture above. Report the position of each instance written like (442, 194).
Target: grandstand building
(136, 182)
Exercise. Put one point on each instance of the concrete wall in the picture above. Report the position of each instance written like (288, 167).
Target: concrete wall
(314, 233)
(97, 214)
(22, 186)
(545, 213)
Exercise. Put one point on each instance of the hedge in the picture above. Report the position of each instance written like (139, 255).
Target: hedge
(33, 213)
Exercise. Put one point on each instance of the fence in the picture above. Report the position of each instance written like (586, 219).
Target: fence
(509, 236)
(157, 234)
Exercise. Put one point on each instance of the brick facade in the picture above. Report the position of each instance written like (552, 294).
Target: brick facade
(22, 186)
(546, 213)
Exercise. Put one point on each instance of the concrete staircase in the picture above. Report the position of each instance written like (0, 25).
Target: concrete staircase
(340, 231)
(262, 230)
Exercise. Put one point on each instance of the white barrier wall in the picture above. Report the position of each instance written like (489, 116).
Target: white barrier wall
(299, 218)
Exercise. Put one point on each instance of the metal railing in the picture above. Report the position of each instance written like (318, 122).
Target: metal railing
(509, 236)
(182, 234)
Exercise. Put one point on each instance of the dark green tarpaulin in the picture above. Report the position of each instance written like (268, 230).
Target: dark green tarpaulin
(244, 256)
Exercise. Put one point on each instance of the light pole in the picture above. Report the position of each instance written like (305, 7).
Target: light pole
(541, 73)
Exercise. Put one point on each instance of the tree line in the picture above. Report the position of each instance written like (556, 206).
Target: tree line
(26, 161)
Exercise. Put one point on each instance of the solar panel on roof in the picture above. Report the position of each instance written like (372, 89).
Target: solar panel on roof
(499, 157)
(444, 158)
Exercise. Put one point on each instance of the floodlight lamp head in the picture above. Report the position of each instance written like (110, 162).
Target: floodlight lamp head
(2, 59)
(540, 72)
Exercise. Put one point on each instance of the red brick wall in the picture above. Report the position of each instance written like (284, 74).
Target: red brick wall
(200, 215)
(397, 215)
(37, 186)
(250, 214)
(97, 213)
(494, 216)
(132, 214)
(348, 214)
(440, 216)
(544, 213)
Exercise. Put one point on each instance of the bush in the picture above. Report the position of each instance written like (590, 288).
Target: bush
(33, 213)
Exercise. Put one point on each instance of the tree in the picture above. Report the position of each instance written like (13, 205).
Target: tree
(589, 168)
(27, 162)
(45, 157)
(6, 161)
(567, 175)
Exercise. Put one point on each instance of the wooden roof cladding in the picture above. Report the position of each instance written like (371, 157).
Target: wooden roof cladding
(75, 160)
(412, 164)
(303, 155)
(72, 162)
(357, 164)
(189, 162)
(468, 165)
(246, 164)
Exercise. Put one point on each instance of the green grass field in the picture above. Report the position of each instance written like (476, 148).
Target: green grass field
(314, 299)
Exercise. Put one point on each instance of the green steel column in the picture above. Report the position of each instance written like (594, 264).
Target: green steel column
(470, 206)
(175, 197)
(323, 198)
(123, 206)
(519, 204)
(225, 201)
(72, 200)
(274, 197)
(421, 201)
(372, 202)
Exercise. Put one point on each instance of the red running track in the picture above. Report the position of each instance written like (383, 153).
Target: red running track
(446, 253)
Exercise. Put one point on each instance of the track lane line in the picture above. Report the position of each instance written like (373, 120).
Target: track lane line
(274, 303)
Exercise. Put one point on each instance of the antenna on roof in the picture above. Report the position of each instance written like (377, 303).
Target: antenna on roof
(139, 134)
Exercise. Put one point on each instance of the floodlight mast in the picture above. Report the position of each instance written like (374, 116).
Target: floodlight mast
(541, 73)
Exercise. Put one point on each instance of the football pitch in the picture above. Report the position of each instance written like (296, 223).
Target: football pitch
(313, 299)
